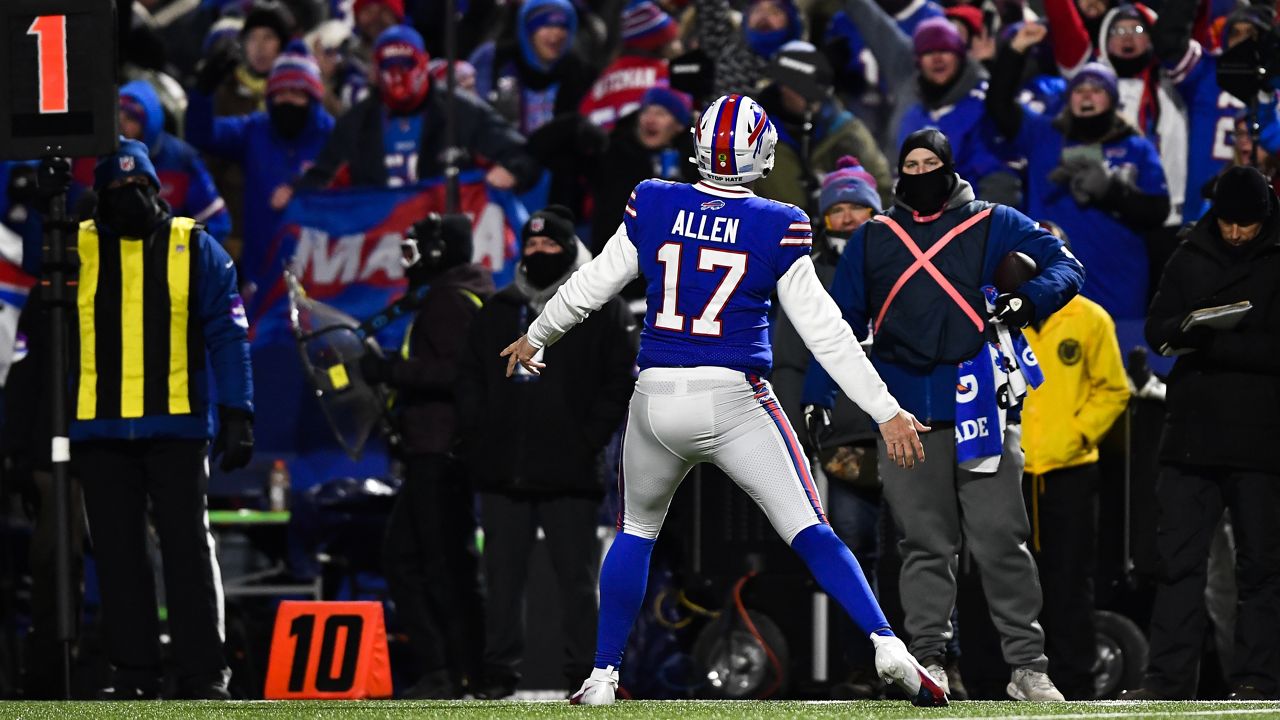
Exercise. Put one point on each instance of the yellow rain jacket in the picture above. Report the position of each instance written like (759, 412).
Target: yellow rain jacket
(1084, 390)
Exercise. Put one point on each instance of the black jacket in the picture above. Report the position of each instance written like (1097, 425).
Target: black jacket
(627, 163)
(1223, 400)
(543, 435)
(357, 145)
(425, 381)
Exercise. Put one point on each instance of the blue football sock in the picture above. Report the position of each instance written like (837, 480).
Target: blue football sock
(838, 573)
(622, 584)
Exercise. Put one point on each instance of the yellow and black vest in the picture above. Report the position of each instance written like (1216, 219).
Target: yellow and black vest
(139, 335)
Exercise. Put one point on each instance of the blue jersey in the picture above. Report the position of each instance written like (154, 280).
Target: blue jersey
(711, 258)
(1210, 142)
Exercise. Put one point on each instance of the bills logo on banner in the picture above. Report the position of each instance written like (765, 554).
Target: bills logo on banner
(344, 246)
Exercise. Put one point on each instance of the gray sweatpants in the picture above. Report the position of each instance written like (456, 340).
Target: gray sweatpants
(936, 504)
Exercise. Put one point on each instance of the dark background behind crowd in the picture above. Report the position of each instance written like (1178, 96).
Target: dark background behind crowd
(1110, 122)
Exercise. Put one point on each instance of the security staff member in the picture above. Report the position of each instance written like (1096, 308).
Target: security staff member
(915, 273)
(156, 300)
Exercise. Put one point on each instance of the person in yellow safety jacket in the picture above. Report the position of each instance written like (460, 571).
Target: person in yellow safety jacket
(157, 314)
(1084, 391)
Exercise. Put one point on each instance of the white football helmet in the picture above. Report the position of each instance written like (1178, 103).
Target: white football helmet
(734, 140)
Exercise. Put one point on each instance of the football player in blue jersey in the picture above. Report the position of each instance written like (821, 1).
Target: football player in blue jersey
(712, 254)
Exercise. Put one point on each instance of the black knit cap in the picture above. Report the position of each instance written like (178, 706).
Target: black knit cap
(555, 222)
(271, 15)
(1242, 196)
(930, 139)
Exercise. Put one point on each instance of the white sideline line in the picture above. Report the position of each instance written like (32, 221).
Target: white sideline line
(1137, 712)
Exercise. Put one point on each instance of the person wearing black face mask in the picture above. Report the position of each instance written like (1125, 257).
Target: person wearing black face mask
(143, 420)
(130, 206)
(544, 471)
(1090, 172)
(272, 147)
(429, 553)
(915, 274)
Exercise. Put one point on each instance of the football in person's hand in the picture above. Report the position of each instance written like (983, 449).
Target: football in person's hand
(1015, 269)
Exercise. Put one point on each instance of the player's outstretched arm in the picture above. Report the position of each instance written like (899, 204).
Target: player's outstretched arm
(593, 285)
(832, 343)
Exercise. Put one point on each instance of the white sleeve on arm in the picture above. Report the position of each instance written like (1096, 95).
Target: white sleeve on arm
(593, 285)
(820, 324)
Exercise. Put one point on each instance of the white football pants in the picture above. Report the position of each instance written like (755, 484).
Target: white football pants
(683, 416)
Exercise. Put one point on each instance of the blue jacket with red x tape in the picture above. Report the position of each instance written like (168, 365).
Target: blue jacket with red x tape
(923, 298)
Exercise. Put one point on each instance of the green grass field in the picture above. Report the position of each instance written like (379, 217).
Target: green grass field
(629, 710)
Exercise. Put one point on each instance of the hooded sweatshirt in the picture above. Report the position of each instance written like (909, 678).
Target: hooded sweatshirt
(185, 183)
(519, 85)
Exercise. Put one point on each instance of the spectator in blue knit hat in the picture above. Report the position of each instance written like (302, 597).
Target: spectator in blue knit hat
(849, 198)
(270, 147)
(651, 142)
(537, 76)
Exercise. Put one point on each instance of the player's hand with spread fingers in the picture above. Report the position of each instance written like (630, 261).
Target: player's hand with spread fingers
(902, 439)
(522, 351)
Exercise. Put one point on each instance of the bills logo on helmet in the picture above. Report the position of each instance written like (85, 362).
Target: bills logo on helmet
(734, 140)
(713, 205)
(127, 163)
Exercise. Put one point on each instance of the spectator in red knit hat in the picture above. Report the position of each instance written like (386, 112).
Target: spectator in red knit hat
(968, 21)
(649, 39)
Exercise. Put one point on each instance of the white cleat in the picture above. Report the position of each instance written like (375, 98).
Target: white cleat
(1029, 684)
(896, 665)
(598, 689)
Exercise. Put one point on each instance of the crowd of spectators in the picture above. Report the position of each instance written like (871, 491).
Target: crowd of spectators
(1102, 119)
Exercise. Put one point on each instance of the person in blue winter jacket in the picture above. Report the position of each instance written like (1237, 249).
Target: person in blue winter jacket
(1090, 172)
(273, 146)
(158, 315)
(185, 183)
(915, 274)
(539, 75)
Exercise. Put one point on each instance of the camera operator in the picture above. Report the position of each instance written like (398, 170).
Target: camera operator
(429, 555)
(1218, 449)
